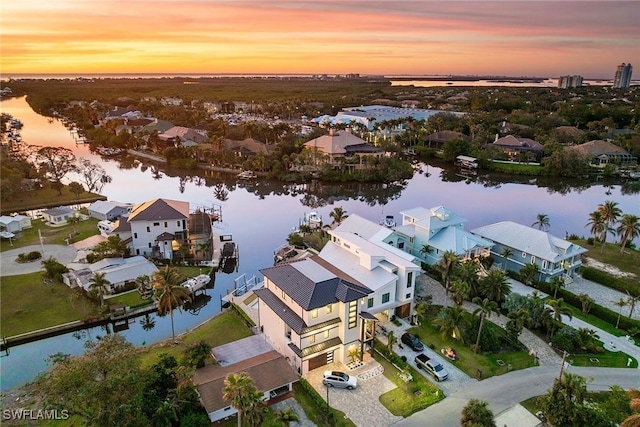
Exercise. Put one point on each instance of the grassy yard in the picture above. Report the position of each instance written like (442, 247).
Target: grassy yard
(470, 362)
(131, 299)
(51, 235)
(226, 327)
(407, 398)
(607, 359)
(28, 304)
(597, 322)
(629, 262)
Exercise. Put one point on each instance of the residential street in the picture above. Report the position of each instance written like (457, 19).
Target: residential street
(504, 391)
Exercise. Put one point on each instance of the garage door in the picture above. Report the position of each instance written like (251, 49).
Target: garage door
(319, 361)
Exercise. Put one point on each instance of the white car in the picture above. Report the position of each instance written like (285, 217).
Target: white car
(339, 379)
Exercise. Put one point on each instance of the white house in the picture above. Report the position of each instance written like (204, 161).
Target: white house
(118, 271)
(323, 309)
(106, 210)
(438, 230)
(14, 224)
(554, 257)
(58, 216)
(155, 228)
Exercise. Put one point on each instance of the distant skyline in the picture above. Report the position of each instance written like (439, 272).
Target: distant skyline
(511, 38)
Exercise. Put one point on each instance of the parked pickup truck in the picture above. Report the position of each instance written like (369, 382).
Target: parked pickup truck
(434, 368)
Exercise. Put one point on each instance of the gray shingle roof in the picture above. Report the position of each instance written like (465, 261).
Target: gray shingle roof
(290, 318)
(316, 348)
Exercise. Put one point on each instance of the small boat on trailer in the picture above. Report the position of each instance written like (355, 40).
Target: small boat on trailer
(194, 284)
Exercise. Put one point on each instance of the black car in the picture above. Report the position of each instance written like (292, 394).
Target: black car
(412, 341)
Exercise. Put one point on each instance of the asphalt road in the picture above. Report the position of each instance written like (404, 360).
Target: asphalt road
(504, 391)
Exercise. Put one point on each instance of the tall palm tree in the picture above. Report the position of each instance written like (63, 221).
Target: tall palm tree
(449, 320)
(98, 286)
(143, 281)
(556, 309)
(556, 283)
(597, 224)
(519, 317)
(422, 308)
(620, 303)
(425, 250)
(495, 286)
(239, 390)
(610, 213)
(338, 214)
(631, 302)
(459, 291)
(542, 221)
(485, 308)
(529, 273)
(468, 272)
(586, 301)
(506, 254)
(628, 229)
(168, 292)
(447, 265)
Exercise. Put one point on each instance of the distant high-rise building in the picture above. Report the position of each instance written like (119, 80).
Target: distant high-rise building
(565, 82)
(622, 79)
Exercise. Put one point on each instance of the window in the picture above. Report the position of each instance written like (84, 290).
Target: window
(284, 296)
(533, 260)
(166, 224)
(156, 224)
(148, 229)
(400, 245)
(524, 254)
(370, 303)
(408, 296)
(314, 313)
(312, 339)
(135, 235)
(326, 334)
(329, 308)
(385, 298)
(353, 314)
(410, 239)
(149, 244)
(410, 279)
(287, 332)
(178, 223)
(346, 246)
(544, 264)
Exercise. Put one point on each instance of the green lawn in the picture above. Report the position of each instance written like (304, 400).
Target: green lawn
(407, 398)
(629, 262)
(131, 299)
(47, 197)
(27, 304)
(607, 359)
(226, 327)
(470, 362)
(597, 322)
(51, 235)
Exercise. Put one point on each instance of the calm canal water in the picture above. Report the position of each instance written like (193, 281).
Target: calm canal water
(260, 214)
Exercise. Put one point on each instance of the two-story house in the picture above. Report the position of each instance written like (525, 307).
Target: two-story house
(554, 257)
(323, 309)
(155, 228)
(429, 233)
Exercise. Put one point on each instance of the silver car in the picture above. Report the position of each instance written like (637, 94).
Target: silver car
(339, 379)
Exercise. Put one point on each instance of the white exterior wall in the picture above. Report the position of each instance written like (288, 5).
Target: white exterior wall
(143, 240)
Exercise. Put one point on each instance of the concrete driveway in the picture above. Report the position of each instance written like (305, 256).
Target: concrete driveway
(361, 405)
(9, 267)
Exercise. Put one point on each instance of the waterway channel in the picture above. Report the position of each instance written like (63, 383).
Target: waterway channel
(259, 214)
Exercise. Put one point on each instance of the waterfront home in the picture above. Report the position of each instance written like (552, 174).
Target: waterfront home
(438, 139)
(106, 210)
(602, 153)
(183, 134)
(429, 233)
(324, 308)
(512, 146)
(14, 223)
(117, 271)
(338, 146)
(58, 216)
(155, 228)
(555, 257)
(270, 372)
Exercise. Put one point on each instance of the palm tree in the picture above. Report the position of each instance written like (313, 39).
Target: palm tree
(459, 291)
(628, 229)
(338, 214)
(485, 308)
(425, 250)
(286, 416)
(240, 391)
(556, 309)
(476, 413)
(529, 273)
(519, 318)
(447, 265)
(610, 213)
(98, 286)
(542, 221)
(597, 224)
(468, 272)
(422, 308)
(168, 292)
(620, 303)
(584, 338)
(449, 320)
(506, 254)
(631, 302)
(143, 282)
(556, 283)
(495, 286)
(586, 301)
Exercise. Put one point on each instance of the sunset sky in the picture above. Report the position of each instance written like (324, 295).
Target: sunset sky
(514, 38)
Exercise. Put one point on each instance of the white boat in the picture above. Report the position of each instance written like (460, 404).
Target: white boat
(312, 219)
(247, 175)
(105, 226)
(196, 283)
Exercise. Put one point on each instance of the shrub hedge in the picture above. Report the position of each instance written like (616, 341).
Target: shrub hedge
(610, 281)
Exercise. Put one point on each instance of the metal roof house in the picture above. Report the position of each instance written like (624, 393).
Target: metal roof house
(105, 210)
(439, 230)
(554, 257)
(118, 271)
(324, 308)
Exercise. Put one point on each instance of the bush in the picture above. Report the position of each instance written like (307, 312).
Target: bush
(29, 257)
(565, 339)
(610, 281)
